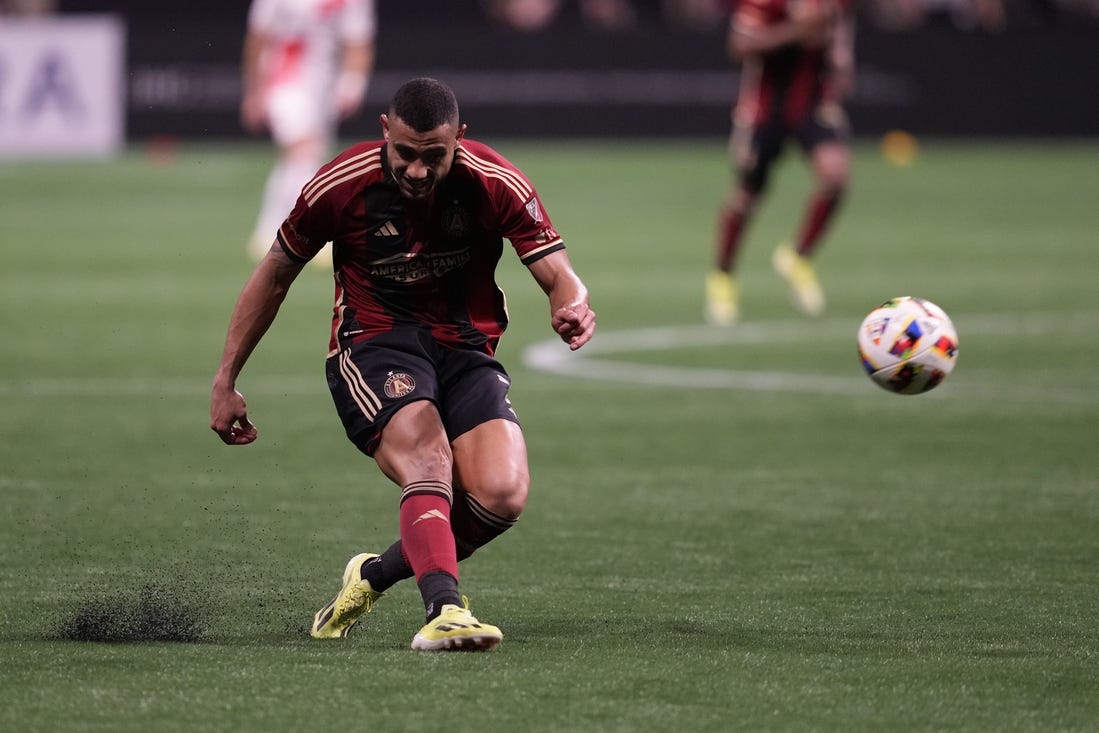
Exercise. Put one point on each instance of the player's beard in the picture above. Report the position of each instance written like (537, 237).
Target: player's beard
(415, 190)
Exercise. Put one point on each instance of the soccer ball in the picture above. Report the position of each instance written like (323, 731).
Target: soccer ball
(908, 345)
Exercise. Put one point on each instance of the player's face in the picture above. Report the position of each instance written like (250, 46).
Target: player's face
(419, 160)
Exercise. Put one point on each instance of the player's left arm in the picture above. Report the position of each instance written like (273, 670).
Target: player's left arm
(356, 66)
(357, 26)
(571, 315)
(253, 112)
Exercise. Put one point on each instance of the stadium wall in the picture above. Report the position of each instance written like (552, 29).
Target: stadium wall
(183, 76)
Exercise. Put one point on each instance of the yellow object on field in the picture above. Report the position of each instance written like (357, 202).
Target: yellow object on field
(899, 148)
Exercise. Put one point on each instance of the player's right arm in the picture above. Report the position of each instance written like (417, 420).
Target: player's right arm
(755, 29)
(253, 314)
(571, 315)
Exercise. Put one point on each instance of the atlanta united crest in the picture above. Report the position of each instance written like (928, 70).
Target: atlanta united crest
(455, 221)
(399, 384)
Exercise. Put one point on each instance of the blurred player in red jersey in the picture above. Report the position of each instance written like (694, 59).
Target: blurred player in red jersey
(797, 67)
(306, 66)
(417, 222)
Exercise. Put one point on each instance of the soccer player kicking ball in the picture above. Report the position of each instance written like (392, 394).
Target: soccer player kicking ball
(417, 222)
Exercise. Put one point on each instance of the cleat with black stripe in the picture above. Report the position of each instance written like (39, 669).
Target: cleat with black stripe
(335, 620)
(455, 629)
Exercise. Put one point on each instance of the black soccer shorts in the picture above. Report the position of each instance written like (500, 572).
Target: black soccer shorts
(373, 379)
(756, 149)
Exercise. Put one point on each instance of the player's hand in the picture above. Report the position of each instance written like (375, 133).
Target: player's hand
(253, 113)
(350, 92)
(229, 418)
(574, 324)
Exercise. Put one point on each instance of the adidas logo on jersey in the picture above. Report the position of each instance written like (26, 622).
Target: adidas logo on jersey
(387, 230)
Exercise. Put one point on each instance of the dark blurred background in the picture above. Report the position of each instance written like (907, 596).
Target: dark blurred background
(634, 67)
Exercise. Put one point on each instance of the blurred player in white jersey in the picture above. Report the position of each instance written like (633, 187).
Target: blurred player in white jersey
(307, 66)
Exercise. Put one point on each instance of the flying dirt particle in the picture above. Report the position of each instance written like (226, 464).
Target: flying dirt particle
(152, 613)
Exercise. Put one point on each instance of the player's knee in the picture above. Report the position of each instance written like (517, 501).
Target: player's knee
(514, 501)
(741, 201)
(429, 458)
(834, 181)
(833, 170)
(433, 456)
(504, 492)
(307, 150)
(754, 182)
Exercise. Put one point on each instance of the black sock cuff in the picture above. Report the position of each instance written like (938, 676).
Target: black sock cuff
(438, 588)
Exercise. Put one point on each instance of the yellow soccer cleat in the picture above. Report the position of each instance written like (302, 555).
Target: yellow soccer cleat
(455, 629)
(722, 306)
(799, 274)
(356, 597)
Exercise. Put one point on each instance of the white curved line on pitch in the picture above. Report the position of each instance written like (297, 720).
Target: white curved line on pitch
(554, 357)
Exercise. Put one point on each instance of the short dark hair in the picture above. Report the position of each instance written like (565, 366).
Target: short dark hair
(423, 104)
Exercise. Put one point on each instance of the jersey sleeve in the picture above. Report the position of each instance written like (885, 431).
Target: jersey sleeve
(321, 211)
(530, 231)
(305, 231)
(312, 222)
(516, 206)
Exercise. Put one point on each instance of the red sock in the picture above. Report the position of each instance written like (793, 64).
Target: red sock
(427, 540)
(817, 216)
(730, 225)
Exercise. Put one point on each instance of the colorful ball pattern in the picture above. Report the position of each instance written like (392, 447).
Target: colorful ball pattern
(908, 345)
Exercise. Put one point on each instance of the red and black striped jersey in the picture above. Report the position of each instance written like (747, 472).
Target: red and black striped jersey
(426, 264)
(787, 84)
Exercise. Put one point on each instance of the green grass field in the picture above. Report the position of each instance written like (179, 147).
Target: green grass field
(728, 530)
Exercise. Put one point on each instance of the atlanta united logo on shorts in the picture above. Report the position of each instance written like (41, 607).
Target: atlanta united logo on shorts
(399, 384)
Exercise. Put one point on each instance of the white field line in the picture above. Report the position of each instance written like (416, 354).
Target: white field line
(552, 356)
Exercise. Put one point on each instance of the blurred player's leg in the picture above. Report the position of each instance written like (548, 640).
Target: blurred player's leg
(799, 274)
(302, 132)
(831, 164)
(722, 299)
(722, 294)
(829, 158)
(753, 150)
(280, 192)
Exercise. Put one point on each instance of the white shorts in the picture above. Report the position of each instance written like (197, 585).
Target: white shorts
(296, 112)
